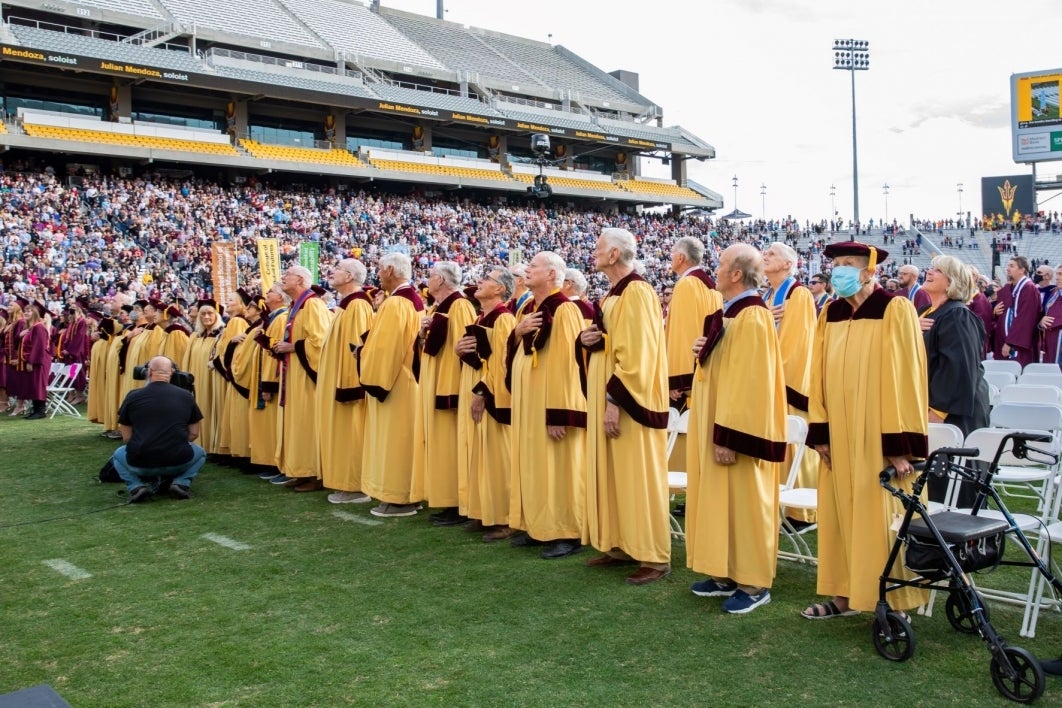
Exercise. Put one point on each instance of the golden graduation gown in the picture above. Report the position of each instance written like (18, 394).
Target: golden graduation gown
(196, 362)
(547, 488)
(222, 393)
(239, 398)
(112, 383)
(176, 344)
(738, 402)
(386, 367)
(340, 397)
(97, 379)
(435, 440)
(626, 486)
(485, 454)
(297, 439)
(868, 400)
(140, 350)
(796, 333)
(265, 379)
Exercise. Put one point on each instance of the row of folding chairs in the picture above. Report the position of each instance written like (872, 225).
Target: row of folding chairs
(1011, 366)
(61, 380)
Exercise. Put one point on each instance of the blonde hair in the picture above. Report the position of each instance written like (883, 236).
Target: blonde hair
(961, 285)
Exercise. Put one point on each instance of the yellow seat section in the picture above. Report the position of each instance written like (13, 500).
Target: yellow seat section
(3, 128)
(664, 189)
(125, 139)
(441, 170)
(334, 156)
(569, 182)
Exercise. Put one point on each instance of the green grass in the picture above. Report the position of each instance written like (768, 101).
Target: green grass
(326, 612)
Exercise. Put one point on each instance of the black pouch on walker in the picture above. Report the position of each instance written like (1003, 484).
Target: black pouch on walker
(977, 543)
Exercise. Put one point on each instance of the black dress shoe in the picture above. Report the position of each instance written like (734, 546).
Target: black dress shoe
(35, 415)
(560, 549)
(448, 517)
(522, 538)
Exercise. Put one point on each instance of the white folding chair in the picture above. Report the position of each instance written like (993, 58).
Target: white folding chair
(1041, 379)
(1000, 379)
(1042, 369)
(1025, 416)
(1030, 393)
(792, 497)
(1008, 365)
(60, 385)
(677, 480)
(944, 435)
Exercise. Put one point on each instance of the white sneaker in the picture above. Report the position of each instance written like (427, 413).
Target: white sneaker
(349, 498)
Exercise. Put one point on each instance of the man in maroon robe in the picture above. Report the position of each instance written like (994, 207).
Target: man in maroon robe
(1017, 315)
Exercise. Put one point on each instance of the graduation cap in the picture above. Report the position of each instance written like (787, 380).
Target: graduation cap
(258, 302)
(82, 302)
(159, 305)
(245, 296)
(94, 316)
(107, 326)
(127, 308)
(40, 307)
(855, 248)
(207, 302)
(174, 311)
(22, 302)
(140, 303)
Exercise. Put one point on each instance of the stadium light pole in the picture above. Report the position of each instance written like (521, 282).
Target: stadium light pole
(852, 55)
(833, 206)
(885, 191)
(959, 187)
(734, 180)
(763, 201)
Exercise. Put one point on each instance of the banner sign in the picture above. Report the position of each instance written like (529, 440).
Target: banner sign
(1007, 199)
(225, 272)
(1035, 119)
(309, 256)
(268, 262)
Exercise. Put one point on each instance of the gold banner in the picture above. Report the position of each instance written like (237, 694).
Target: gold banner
(268, 262)
(223, 260)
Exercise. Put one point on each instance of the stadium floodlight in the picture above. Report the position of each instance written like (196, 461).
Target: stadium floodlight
(885, 191)
(959, 187)
(763, 201)
(852, 55)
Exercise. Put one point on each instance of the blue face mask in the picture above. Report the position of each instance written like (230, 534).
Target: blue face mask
(845, 280)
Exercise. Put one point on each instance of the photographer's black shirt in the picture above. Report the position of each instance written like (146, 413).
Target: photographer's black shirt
(159, 415)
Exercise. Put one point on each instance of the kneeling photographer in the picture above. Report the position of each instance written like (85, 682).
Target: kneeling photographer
(158, 424)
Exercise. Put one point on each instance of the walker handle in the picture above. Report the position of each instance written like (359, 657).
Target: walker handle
(889, 472)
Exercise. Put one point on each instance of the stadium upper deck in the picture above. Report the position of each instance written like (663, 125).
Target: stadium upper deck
(328, 75)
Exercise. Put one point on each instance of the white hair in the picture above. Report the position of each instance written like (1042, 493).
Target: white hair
(623, 240)
(302, 273)
(355, 267)
(450, 272)
(788, 253)
(578, 280)
(691, 247)
(555, 262)
(400, 262)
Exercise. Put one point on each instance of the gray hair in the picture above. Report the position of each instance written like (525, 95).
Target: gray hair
(518, 269)
(909, 268)
(400, 262)
(280, 291)
(504, 279)
(302, 273)
(789, 253)
(555, 262)
(691, 247)
(355, 267)
(578, 280)
(450, 272)
(623, 240)
(750, 262)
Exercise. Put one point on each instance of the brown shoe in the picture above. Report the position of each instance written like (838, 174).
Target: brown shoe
(474, 526)
(309, 485)
(644, 576)
(500, 533)
(604, 561)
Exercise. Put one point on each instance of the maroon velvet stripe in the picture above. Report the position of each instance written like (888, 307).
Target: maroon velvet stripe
(638, 413)
(796, 399)
(269, 386)
(349, 395)
(903, 444)
(567, 418)
(682, 382)
(751, 445)
(818, 434)
(378, 392)
(242, 390)
(446, 403)
(472, 359)
(300, 352)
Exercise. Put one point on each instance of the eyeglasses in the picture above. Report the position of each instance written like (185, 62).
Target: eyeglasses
(494, 280)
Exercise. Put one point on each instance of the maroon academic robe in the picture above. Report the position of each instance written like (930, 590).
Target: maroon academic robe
(36, 350)
(982, 307)
(1052, 336)
(75, 348)
(920, 299)
(1017, 326)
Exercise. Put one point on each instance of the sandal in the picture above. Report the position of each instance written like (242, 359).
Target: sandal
(826, 610)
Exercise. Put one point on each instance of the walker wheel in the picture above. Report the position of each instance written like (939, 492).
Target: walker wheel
(895, 642)
(1027, 684)
(960, 614)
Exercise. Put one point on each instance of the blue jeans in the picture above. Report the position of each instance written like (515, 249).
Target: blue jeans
(180, 474)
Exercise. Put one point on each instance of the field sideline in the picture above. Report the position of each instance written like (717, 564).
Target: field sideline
(310, 608)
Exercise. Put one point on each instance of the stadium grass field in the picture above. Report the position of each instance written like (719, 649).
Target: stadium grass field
(324, 610)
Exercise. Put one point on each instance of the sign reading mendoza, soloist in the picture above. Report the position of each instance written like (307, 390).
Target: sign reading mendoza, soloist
(39, 56)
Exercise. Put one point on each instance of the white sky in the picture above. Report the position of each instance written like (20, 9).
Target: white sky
(755, 79)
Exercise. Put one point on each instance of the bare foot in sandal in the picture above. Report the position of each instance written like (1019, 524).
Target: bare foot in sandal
(831, 609)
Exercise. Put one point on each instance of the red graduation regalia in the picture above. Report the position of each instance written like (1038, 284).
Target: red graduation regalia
(1052, 335)
(1017, 325)
(982, 307)
(36, 350)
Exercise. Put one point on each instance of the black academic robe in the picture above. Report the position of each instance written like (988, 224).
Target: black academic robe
(957, 386)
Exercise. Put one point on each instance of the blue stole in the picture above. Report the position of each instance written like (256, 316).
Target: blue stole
(288, 327)
(774, 298)
(1012, 311)
(260, 403)
(914, 289)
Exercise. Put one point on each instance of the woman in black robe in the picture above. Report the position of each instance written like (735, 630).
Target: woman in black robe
(954, 338)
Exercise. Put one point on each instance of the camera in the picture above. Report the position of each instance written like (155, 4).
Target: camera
(180, 379)
(540, 144)
(540, 188)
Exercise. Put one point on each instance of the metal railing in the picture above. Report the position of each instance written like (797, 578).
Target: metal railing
(213, 52)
